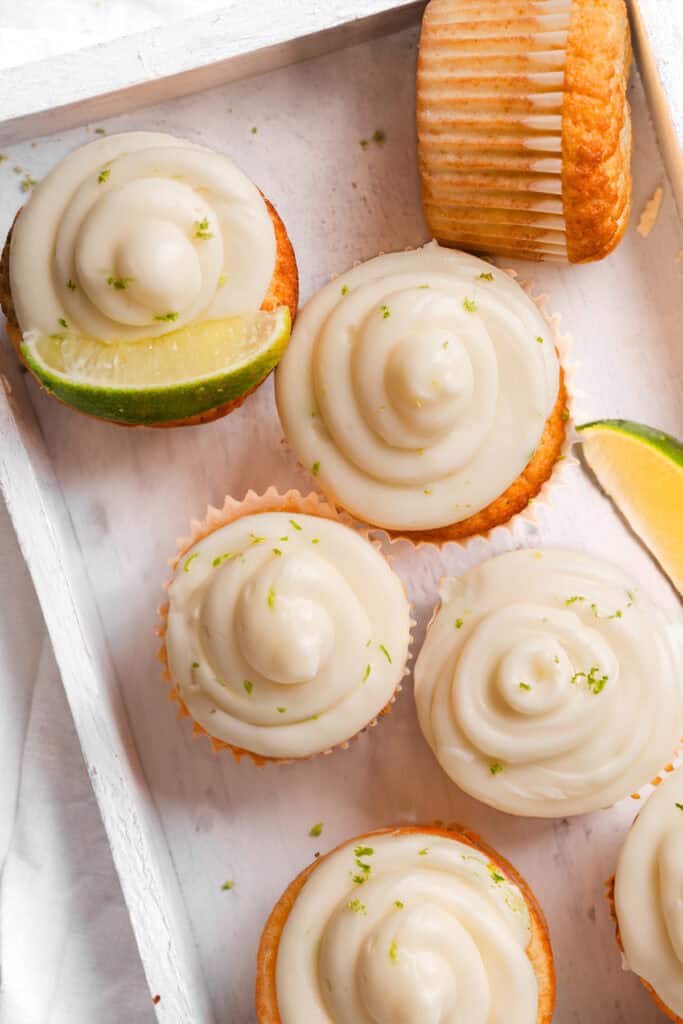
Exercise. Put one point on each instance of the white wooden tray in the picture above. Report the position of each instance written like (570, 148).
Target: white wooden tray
(97, 510)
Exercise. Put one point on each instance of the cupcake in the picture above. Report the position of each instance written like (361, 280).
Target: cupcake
(524, 128)
(646, 896)
(424, 392)
(548, 684)
(148, 281)
(286, 631)
(406, 924)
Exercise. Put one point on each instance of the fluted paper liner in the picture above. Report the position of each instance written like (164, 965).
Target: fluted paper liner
(270, 501)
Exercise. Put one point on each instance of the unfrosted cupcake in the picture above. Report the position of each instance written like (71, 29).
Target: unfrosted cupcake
(524, 128)
(549, 685)
(646, 896)
(406, 924)
(424, 392)
(286, 631)
(148, 281)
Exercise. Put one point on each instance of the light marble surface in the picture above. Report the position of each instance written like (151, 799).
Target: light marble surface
(130, 493)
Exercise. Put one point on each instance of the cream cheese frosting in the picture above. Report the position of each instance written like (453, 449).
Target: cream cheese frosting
(404, 927)
(138, 234)
(648, 893)
(548, 684)
(417, 386)
(286, 634)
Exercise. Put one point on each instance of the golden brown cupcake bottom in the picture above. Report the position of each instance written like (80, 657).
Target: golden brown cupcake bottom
(539, 949)
(282, 291)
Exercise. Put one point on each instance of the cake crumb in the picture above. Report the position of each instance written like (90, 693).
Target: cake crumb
(648, 217)
(679, 258)
(156, 1000)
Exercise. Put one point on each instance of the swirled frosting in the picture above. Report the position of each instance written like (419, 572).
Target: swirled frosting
(417, 386)
(434, 932)
(137, 234)
(648, 893)
(548, 684)
(286, 634)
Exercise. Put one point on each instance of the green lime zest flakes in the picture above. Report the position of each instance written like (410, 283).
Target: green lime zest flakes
(316, 830)
(679, 806)
(227, 886)
(120, 283)
(596, 684)
(358, 879)
(201, 229)
(539, 339)
(363, 143)
(313, 718)
(427, 490)
(100, 131)
(3, 157)
(385, 311)
(356, 906)
(248, 685)
(573, 600)
(281, 711)
(315, 468)
(419, 451)
(363, 851)
(255, 539)
(166, 317)
(103, 175)
(556, 659)
(71, 285)
(27, 183)
(469, 305)
(424, 286)
(423, 853)
(195, 664)
(345, 289)
(189, 561)
(495, 767)
(366, 674)
(524, 686)
(368, 642)
(315, 540)
(222, 278)
(219, 559)
(379, 137)
(57, 337)
(565, 415)
(271, 600)
(485, 276)
(459, 623)
(495, 874)
(385, 652)
(398, 904)
(284, 538)
(62, 323)
(295, 525)
(276, 551)
(254, 130)
(393, 952)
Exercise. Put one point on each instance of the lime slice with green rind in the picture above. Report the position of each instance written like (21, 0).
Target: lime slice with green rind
(160, 380)
(641, 470)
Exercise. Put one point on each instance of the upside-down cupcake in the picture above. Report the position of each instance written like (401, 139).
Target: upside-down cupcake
(286, 631)
(148, 281)
(424, 391)
(524, 128)
(646, 896)
(549, 685)
(406, 926)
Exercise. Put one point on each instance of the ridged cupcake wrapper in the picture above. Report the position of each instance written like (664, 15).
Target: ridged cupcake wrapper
(271, 500)
(489, 118)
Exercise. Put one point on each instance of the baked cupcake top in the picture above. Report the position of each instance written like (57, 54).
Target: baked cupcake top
(407, 926)
(548, 684)
(416, 387)
(647, 893)
(138, 234)
(286, 633)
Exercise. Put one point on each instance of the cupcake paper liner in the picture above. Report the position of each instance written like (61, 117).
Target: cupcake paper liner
(270, 501)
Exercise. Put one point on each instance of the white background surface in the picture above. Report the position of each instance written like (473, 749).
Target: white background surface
(67, 951)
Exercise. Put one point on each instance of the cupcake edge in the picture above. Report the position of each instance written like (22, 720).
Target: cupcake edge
(539, 949)
(292, 501)
(283, 290)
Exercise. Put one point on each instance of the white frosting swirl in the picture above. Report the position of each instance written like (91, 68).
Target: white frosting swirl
(548, 685)
(418, 384)
(138, 234)
(436, 933)
(648, 893)
(287, 634)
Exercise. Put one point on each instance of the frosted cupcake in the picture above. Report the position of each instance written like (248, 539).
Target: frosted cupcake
(286, 631)
(549, 685)
(646, 896)
(406, 924)
(424, 392)
(524, 128)
(148, 281)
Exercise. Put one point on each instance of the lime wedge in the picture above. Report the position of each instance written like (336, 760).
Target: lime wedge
(160, 380)
(641, 469)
